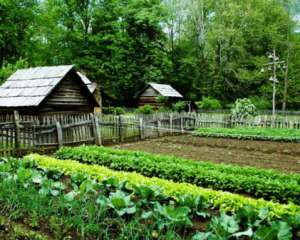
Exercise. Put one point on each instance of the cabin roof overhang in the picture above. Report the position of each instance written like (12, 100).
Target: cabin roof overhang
(30, 87)
(165, 90)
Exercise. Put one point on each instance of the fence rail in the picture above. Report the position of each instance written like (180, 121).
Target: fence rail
(20, 134)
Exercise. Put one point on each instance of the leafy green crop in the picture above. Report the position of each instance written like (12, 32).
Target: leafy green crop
(252, 133)
(223, 200)
(258, 183)
(107, 208)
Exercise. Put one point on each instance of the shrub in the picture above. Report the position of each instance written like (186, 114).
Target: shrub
(179, 106)
(162, 100)
(243, 108)
(209, 103)
(114, 110)
(251, 181)
(146, 109)
(163, 109)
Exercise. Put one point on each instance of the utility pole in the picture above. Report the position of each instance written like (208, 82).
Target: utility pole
(273, 65)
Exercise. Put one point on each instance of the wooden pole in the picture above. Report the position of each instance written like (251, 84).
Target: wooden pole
(158, 127)
(181, 124)
(59, 134)
(171, 124)
(120, 128)
(141, 128)
(96, 130)
(18, 131)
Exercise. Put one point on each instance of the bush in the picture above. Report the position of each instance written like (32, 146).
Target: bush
(164, 109)
(208, 103)
(179, 106)
(114, 110)
(161, 99)
(146, 109)
(254, 182)
(243, 108)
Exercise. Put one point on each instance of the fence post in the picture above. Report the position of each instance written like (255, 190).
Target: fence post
(141, 128)
(171, 124)
(158, 127)
(18, 131)
(120, 128)
(59, 134)
(181, 124)
(96, 130)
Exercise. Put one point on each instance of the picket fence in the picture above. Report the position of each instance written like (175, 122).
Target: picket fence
(20, 134)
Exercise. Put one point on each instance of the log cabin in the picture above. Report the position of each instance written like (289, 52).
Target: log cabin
(152, 91)
(47, 90)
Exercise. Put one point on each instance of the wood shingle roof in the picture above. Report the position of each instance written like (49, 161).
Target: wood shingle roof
(29, 87)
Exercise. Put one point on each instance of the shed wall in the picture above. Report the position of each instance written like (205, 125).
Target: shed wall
(69, 95)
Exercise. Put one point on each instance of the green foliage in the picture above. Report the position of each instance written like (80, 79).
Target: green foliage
(203, 48)
(114, 110)
(164, 109)
(251, 181)
(103, 207)
(146, 109)
(162, 100)
(224, 200)
(9, 69)
(179, 106)
(209, 103)
(243, 108)
(261, 103)
(252, 133)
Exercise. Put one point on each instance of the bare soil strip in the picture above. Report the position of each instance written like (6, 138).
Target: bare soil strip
(261, 154)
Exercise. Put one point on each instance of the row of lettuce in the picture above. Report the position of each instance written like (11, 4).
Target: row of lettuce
(72, 200)
(258, 183)
(251, 133)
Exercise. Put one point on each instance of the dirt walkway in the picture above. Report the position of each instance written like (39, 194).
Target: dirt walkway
(262, 154)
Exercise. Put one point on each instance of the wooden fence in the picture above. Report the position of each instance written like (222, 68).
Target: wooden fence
(20, 134)
(265, 121)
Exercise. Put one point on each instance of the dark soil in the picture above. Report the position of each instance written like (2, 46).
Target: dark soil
(262, 154)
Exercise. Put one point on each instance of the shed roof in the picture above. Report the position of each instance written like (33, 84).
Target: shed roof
(165, 90)
(29, 87)
(91, 85)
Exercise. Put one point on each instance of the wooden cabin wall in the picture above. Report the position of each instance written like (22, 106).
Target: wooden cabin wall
(69, 95)
(148, 97)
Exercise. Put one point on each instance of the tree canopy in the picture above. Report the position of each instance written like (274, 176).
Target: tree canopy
(204, 48)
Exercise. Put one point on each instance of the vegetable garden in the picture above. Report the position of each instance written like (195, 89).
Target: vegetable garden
(56, 199)
(95, 192)
(270, 134)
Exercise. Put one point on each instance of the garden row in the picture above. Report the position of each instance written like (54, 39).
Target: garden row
(258, 183)
(70, 200)
(252, 133)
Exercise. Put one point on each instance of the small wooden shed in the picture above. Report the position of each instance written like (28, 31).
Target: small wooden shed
(153, 90)
(44, 90)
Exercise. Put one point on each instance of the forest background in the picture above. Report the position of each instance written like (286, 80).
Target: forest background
(204, 48)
